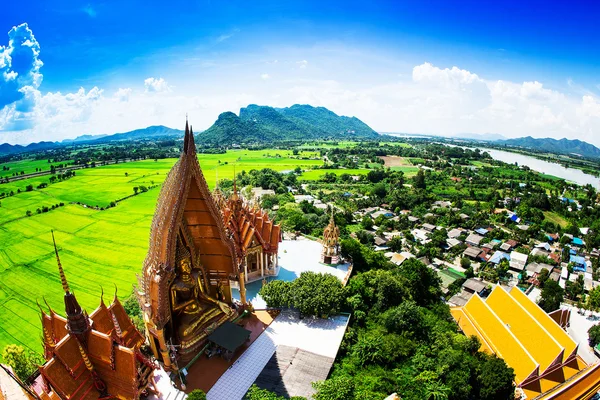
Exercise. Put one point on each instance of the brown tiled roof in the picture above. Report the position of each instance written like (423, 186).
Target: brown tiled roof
(65, 375)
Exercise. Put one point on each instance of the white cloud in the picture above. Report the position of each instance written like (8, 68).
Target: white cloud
(154, 85)
(123, 94)
(20, 78)
(422, 98)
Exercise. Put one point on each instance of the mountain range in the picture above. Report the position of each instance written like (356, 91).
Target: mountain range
(151, 132)
(264, 124)
(562, 146)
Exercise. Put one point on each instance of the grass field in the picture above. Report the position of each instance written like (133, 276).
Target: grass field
(556, 219)
(97, 248)
(26, 166)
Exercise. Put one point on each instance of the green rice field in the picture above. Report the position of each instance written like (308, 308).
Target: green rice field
(98, 249)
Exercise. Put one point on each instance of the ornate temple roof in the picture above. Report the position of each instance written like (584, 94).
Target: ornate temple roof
(93, 359)
(186, 209)
(245, 223)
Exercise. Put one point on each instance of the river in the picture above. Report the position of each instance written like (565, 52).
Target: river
(568, 174)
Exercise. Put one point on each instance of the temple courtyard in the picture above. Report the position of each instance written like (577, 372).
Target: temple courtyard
(286, 358)
(295, 257)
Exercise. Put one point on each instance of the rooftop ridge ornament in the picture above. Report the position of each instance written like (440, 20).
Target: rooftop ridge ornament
(102, 296)
(86, 360)
(63, 278)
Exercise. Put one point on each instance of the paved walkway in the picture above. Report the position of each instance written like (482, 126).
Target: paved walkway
(579, 326)
(319, 336)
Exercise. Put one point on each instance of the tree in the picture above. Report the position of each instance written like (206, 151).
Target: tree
(465, 262)
(276, 293)
(593, 300)
(594, 335)
(256, 393)
(376, 175)
(316, 294)
(552, 296)
(419, 180)
(494, 379)
(543, 277)
(339, 388)
(366, 222)
(380, 190)
(423, 283)
(406, 317)
(23, 361)
(196, 394)
(135, 189)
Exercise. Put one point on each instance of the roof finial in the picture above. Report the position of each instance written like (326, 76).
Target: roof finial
(234, 195)
(116, 290)
(63, 279)
(48, 305)
(40, 307)
(101, 295)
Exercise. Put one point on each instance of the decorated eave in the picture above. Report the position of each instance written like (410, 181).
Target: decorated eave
(245, 223)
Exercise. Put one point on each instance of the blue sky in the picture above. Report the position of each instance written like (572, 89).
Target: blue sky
(514, 68)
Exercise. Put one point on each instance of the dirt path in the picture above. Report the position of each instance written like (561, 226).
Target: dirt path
(395, 161)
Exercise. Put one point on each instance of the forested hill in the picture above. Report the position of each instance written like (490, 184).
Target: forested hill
(562, 146)
(299, 122)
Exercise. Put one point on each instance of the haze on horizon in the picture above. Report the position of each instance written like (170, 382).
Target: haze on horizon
(71, 68)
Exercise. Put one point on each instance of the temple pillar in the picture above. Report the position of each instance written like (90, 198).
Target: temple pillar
(243, 288)
(164, 350)
(155, 351)
(245, 269)
(262, 264)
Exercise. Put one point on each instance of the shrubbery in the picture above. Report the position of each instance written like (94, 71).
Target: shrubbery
(311, 294)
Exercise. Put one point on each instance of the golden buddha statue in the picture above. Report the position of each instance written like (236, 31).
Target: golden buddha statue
(192, 308)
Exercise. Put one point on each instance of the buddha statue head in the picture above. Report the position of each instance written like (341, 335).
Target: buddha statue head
(184, 260)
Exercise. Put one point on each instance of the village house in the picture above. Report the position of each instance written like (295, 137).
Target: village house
(474, 239)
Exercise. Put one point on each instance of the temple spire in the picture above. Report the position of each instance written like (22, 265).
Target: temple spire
(191, 143)
(77, 321)
(63, 278)
(186, 136)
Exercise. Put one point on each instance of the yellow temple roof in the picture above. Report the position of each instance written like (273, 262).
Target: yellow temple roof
(502, 341)
(532, 335)
(547, 322)
(542, 355)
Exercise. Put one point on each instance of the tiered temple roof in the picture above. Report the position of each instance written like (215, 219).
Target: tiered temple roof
(246, 223)
(542, 354)
(185, 209)
(91, 357)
